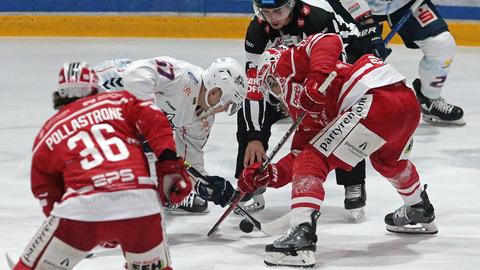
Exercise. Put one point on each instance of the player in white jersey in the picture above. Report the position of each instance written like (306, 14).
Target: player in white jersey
(426, 30)
(190, 97)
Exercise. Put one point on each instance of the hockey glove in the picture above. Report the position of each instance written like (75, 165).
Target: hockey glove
(311, 100)
(174, 183)
(251, 180)
(218, 190)
(371, 36)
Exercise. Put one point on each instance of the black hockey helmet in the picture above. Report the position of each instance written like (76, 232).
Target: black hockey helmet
(273, 3)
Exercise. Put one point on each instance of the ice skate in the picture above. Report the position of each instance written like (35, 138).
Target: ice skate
(192, 204)
(355, 200)
(415, 219)
(254, 202)
(437, 111)
(296, 248)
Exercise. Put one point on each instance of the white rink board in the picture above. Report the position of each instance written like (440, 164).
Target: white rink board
(448, 159)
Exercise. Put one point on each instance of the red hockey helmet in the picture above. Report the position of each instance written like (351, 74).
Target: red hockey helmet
(266, 74)
(76, 79)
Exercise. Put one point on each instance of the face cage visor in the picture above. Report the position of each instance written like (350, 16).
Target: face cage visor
(270, 96)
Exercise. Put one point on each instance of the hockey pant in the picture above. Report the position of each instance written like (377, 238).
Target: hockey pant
(379, 126)
(427, 30)
(63, 243)
(271, 116)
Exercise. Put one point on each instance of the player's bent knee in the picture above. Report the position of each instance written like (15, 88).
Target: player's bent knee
(157, 258)
(439, 48)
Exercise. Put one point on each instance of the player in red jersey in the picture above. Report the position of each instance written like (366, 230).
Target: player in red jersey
(365, 111)
(92, 178)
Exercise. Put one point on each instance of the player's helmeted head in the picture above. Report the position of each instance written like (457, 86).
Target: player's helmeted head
(267, 80)
(269, 9)
(228, 75)
(75, 80)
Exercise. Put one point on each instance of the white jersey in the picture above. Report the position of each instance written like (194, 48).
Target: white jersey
(357, 8)
(174, 85)
(109, 73)
(385, 7)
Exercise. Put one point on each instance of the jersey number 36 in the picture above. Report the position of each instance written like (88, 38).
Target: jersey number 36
(91, 154)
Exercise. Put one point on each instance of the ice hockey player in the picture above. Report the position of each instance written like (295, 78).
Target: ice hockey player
(367, 111)
(426, 30)
(190, 97)
(90, 175)
(287, 22)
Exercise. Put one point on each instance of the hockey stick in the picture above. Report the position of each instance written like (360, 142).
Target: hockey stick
(271, 228)
(238, 197)
(402, 21)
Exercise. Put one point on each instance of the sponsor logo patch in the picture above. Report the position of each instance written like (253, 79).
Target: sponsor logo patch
(295, 97)
(362, 107)
(327, 141)
(425, 15)
(358, 145)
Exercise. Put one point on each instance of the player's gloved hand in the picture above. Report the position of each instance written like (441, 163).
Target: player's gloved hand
(371, 36)
(174, 183)
(218, 190)
(250, 179)
(311, 100)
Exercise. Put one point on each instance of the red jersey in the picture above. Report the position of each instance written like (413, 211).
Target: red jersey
(88, 158)
(314, 58)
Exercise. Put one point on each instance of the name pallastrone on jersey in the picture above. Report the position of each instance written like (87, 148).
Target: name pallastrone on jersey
(89, 118)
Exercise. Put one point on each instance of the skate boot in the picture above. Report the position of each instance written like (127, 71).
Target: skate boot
(437, 111)
(295, 248)
(355, 200)
(192, 204)
(257, 204)
(415, 219)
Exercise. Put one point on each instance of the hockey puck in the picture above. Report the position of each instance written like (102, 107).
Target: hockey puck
(246, 226)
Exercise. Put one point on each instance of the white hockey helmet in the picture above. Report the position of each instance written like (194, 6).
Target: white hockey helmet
(227, 74)
(266, 73)
(76, 79)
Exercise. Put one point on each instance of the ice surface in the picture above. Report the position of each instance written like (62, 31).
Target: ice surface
(448, 159)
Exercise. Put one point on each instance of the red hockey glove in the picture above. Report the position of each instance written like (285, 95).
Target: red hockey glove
(311, 100)
(250, 180)
(174, 183)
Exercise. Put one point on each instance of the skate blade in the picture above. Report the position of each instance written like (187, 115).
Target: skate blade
(304, 258)
(439, 122)
(356, 213)
(420, 228)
